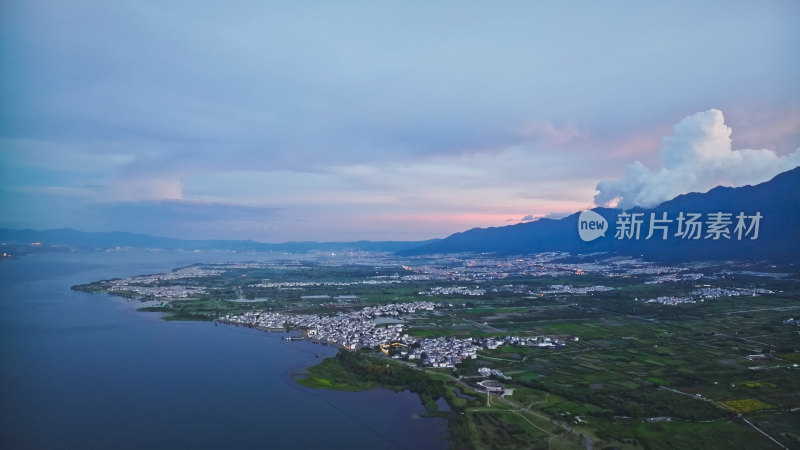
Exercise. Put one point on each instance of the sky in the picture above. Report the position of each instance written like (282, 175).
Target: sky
(339, 121)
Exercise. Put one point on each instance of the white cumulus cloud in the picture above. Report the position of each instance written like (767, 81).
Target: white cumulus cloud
(697, 157)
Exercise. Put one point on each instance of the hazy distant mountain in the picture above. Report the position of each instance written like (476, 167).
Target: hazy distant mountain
(777, 201)
(106, 240)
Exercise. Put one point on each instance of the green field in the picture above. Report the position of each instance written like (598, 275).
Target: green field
(633, 374)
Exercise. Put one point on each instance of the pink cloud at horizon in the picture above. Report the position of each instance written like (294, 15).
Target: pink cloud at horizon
(463, 221)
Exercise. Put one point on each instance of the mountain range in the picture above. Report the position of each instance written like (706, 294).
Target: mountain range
(777, 202)
(80, 240)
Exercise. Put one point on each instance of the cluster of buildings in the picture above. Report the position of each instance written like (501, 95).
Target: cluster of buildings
(180, 274)
(355, 332)
(555, 264)
(674, 277)
(487, 372)
(170, 292)
(708, 293)
(444, 352)
(304, 284)
(454, 290)
(150, 285)
(240, 265)
(267, 320)
(358, 329)
(671, 301)
(534, 341)
(352, 330)
(636, 267)
(753, 273)
(447, 352)
(792, 321)
(570, 289)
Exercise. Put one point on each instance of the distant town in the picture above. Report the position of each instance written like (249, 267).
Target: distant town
(548, 344)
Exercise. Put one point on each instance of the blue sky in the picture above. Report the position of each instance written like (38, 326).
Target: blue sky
(380, 120)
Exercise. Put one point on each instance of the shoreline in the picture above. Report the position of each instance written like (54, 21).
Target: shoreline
(302, 334)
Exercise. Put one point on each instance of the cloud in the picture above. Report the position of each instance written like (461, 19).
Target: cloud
(697, 157)
(188, 219)
(147, 189)
(188, 210)
(345, 115)
(556, 215)
(549, 134)
(775, 129)
(552, 215)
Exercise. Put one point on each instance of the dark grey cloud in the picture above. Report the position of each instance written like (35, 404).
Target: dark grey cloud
(178, 218)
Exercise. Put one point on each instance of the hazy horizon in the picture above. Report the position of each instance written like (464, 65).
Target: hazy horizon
(380, 121)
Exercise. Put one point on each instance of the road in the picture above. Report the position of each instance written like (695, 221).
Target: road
(589, 442)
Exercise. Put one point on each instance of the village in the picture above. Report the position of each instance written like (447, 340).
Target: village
(381, 327)
(707, 292)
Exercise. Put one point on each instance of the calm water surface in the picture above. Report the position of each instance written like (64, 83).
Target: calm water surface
(84, 370)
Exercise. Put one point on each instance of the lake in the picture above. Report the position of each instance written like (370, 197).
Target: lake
(86, 371)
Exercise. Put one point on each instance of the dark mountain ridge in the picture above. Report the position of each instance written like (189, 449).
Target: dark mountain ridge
(777, 201)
